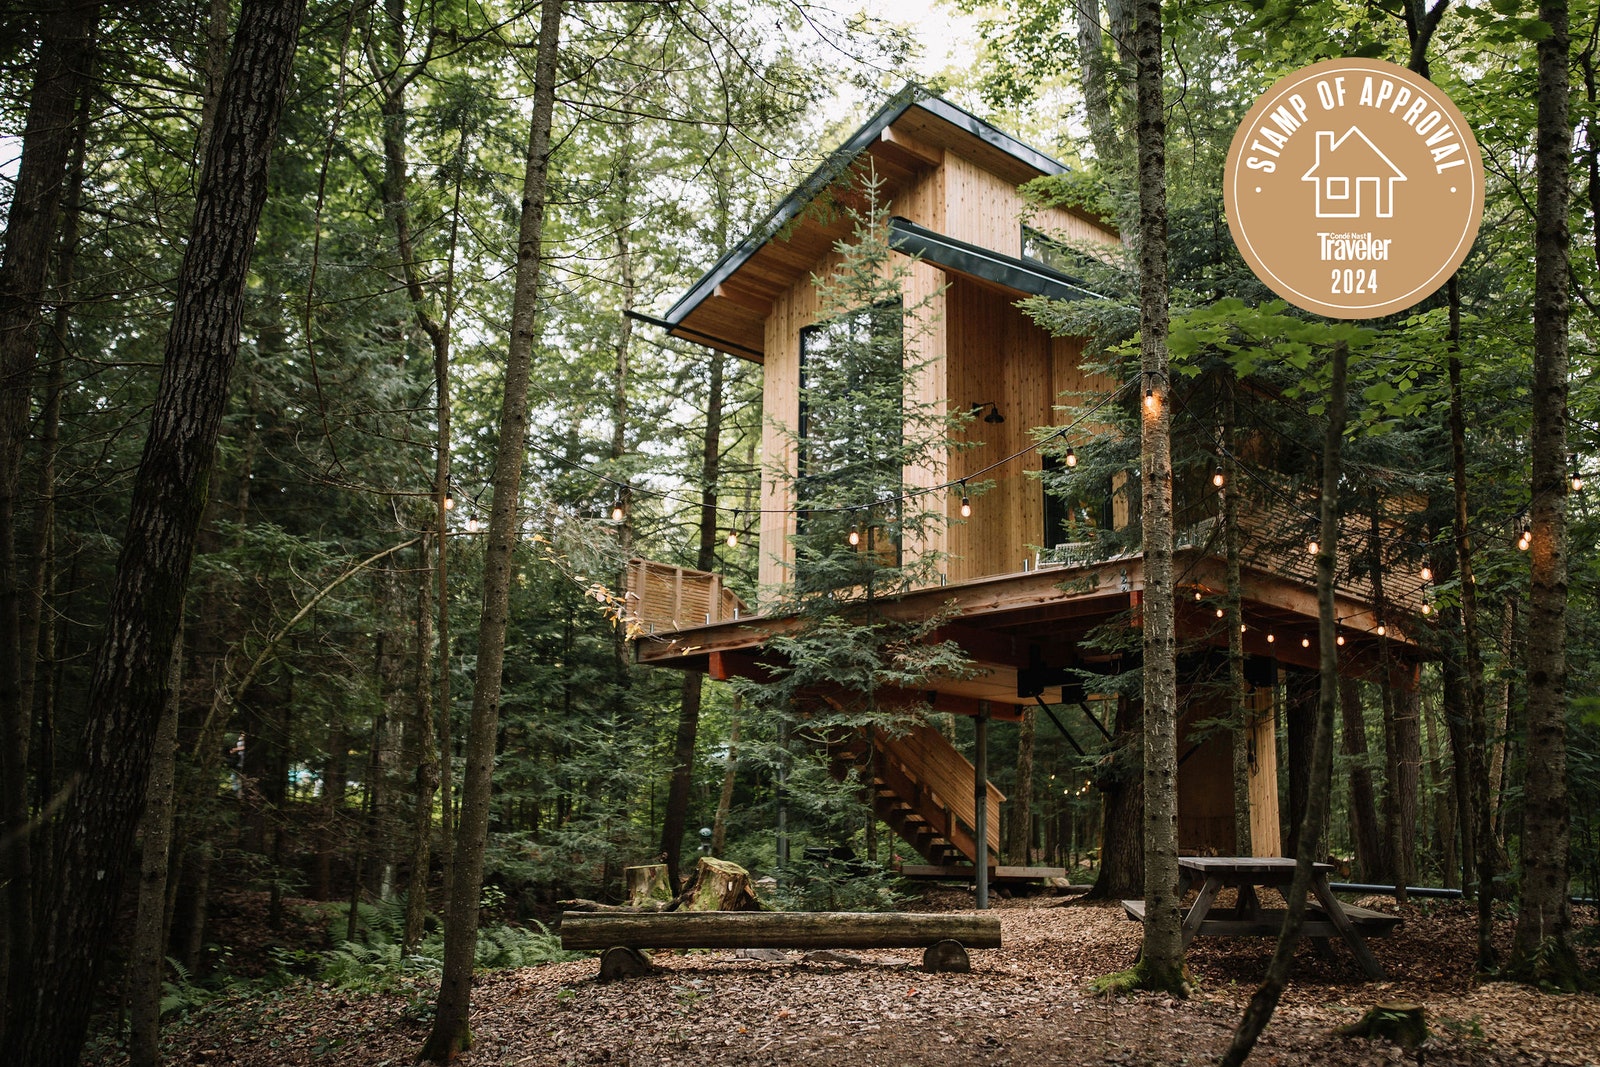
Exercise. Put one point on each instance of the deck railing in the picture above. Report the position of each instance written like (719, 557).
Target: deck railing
(661, 597)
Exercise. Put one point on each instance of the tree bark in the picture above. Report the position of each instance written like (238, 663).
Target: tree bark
(1118, 780)
(146, 953)
(61, 75)
(1019, 839)
(676, 816)
(1161, 956)
(1371, 858)
(1541, 948)
(451, 1034)
(1265, 999)
(719, 825)
(131, 677)
(1233, 619)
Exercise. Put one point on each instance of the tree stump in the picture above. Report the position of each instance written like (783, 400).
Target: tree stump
(647, 884)
(719, 886)
(619, 962)
(1400, 1021)
(948, 956)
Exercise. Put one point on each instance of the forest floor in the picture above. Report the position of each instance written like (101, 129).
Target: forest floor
(1024, 1004)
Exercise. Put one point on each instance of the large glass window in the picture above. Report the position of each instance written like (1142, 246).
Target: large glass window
(852, 394)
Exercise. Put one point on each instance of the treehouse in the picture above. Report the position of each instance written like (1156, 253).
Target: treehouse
(1024, 578)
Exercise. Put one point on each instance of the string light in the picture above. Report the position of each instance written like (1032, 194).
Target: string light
(1526, 539)
(1577, 475)
(1339, 640)
(617, 514)
(1382, 629)
(1305, 642)
(1217, 479)
(472, 524)
(1312, 547)
(733, 530)
(855, 535)
(1271, 638)
(1199, 594)
(1220, 613)
(966, 502)
(1427, 608)
(449, 501)
(1427, 573)
(1072, 457)
(1149, 399)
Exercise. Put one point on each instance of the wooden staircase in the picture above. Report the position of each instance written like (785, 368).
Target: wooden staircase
(922, 788)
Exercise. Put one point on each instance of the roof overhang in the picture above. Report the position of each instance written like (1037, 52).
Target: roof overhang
(727, 307)
(1021, 276)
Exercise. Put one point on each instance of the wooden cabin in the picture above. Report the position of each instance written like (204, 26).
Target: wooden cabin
(1026, 593)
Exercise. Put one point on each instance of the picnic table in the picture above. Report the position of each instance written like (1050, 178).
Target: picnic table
(1327, 917)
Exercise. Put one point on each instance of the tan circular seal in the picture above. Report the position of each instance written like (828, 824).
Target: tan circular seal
(1354, 188)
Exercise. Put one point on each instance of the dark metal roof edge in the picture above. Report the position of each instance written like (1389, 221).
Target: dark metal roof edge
(1022, 275)
(911, 94)
(960, 117)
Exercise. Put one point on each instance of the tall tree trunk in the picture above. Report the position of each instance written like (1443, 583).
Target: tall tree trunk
(61, 75)
(1301, 692)
(147, 952)
(719, 825)
(1371, 858)
(1541, 948)
(131, 677)
(1019, 841)
(1233, 620)
(1161, 957)
(451, 1034)
(1120, 784)
(676, 816)
(1441, 789)
(425, 759)
(1265, 999)
(1401, 732)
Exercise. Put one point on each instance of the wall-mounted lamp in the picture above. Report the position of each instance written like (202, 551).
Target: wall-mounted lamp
(994, 415)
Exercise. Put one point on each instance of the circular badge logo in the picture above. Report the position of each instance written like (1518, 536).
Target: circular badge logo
(1354, 188)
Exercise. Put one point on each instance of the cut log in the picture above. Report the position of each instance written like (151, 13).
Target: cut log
(647, 884)
(947, 956)
(766, 929)
(619, 962)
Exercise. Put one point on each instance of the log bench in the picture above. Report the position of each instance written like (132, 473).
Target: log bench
(944, 938)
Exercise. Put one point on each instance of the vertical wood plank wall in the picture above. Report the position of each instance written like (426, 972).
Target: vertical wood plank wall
(976, 348)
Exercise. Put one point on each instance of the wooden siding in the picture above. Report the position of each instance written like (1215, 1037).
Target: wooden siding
(661, 597)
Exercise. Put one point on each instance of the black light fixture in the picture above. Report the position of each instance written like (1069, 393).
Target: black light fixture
(994, 415)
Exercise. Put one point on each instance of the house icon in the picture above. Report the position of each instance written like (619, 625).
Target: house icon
(1347, 169)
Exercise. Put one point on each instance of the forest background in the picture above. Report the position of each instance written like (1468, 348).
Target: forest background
(332, 617)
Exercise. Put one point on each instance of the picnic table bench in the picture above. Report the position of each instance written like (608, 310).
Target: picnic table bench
(1326, 918)
(944, 938)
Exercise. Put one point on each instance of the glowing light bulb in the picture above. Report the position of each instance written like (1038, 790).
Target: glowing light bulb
(1271, 638)
(1427, 609)
(1339, 640)
(966, 508)
(1312, 547)
(1150, 399)
(449, 502)
(1427, 573)
(1305, 642)
(1199, 594)
(1217, 479)
(733, 538)
(472, 524)
(855, 535)
(617, 513)
(1072, 458)
(1220, 613)
(1382, 629)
